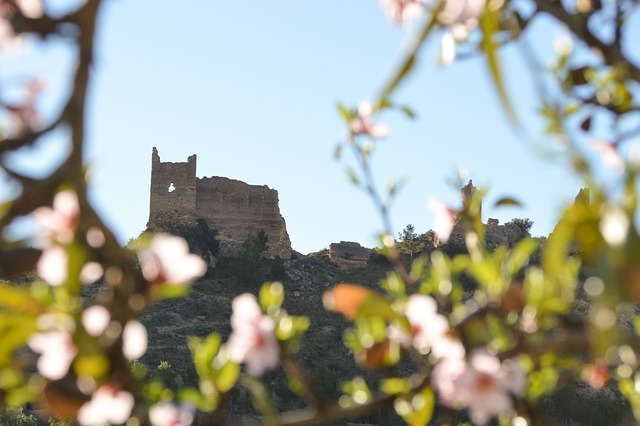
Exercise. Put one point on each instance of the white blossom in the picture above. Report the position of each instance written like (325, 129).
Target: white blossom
(59, 222)
(252, 340)
(56, 350)
(167, 260)
(134, 340)
(168, 414)
(108, 405)
(52, 265)
(445, 219)
(483, 384)
(95, 319)
(401, 12)
(361, 124)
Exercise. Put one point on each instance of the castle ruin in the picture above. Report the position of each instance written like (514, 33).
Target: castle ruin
(235, 209)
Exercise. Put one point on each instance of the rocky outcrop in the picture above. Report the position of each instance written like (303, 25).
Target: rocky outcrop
(234, 208)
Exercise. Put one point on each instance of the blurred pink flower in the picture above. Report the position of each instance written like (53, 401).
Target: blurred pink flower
(168, 414)
(427, 326)
(56, 351)
(30, 8)
(108, 405)
(361, 124)
(167, 260)
(252, 340)
(95, 319)
(52, 265)
(429, 330)
(464, 13)
(134, 340)
(60, 221)
(608, 154)
(484, 384)
(444, 379)
(401, 12)
(447, 346)
(25, 116)
(91, 272)
(445, 219)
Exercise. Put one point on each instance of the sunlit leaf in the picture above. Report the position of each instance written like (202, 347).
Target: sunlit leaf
(18, 299)
(490, 24)
(271, 296)
(507, 201)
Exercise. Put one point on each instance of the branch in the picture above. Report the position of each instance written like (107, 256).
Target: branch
(611, 53)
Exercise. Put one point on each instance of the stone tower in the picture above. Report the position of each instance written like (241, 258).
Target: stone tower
(173, 190)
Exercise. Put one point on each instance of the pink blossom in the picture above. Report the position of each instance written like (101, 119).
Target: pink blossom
(361, 124)
(168, 414)
(108, 405)
(445, 219)
(95, 319)
(444, 379)
(252, 340)
(59, 222)
(427, 325)
(464, 13)
(56, 350)
(134, 340)
(167, 260)
(25, 116)
(608, 154)
(447, 346)
(484, 384)
(400, 12)
(91, 272)
(31, 8)
(429, 330)
(52, 265)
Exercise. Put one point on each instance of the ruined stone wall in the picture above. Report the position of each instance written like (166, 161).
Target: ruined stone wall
(235, 209)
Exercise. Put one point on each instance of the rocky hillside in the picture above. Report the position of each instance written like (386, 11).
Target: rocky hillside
(208, 308)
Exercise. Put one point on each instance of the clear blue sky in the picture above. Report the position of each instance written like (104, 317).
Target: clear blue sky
(251, 88)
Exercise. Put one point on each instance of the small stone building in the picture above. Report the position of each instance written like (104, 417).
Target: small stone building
(347, 254)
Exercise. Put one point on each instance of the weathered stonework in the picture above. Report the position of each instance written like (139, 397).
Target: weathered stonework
(495, 234)
(347, 254)
(235, 209)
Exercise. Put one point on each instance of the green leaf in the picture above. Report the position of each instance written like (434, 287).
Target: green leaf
(227, 376)
(261, 399)
(490, 24)
(520, 254)
(202, 352)
(408, 61)
(271, 296)
(408, 112)
(18, 299)
(417, 410)
(345, 112)
(507, 201)
(395, 386)
(170, 291)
